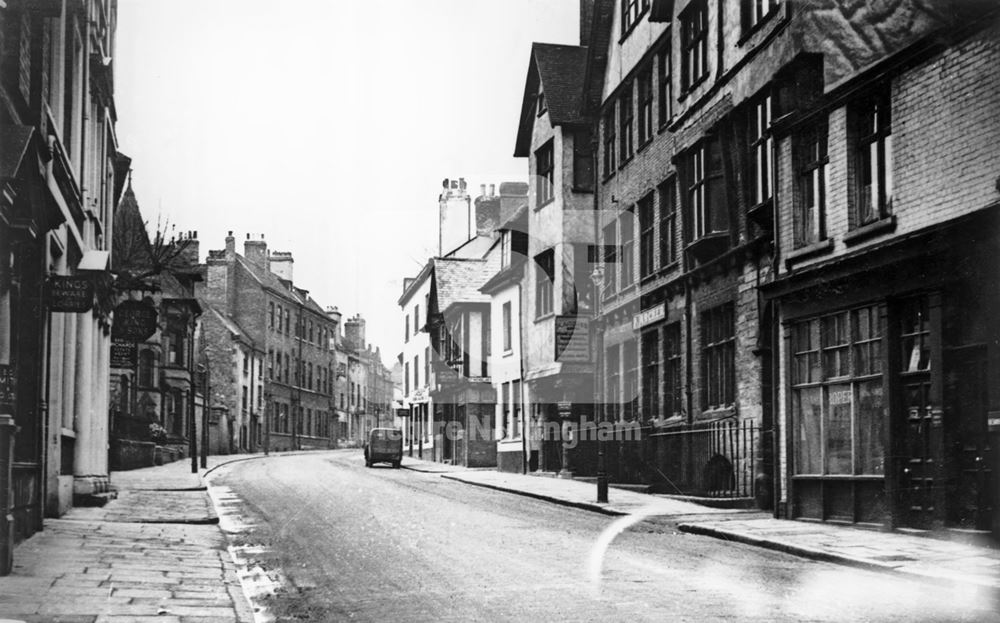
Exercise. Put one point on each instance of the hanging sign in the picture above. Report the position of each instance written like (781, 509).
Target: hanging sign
(572, 339)
(124, 354)
(70, 294)
(134, 321)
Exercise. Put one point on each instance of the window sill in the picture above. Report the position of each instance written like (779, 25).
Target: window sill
(877, 228)
(607, 178)
(691, 87)
(664, 126)
(544, 317)
(817, 248)
(667, 268)
(542, 205)
(625, 161)
(508, 353)
(644, 144)
(762, 213)
(764, 21)
(709, 246)
(632, 26)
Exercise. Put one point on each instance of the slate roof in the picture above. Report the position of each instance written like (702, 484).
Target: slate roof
(227, 322)
(458, 280)
(518, 221)
(268, 279)
(559, 71)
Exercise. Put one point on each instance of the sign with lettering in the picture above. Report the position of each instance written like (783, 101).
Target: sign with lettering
(8, 384)
(73, 295)
(572, 339)
(123, 354)
(134, 321)
(649, 316)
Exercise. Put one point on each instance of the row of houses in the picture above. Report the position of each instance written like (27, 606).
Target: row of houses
(118, 349)
(757, 251)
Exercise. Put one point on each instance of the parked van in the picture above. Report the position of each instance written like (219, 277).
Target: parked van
(384, 445)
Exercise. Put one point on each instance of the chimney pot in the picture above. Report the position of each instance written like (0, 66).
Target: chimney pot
(492, 189)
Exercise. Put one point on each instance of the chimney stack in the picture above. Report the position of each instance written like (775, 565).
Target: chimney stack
(230, 246)
(256, 251)
(281, 263)
(586, 21)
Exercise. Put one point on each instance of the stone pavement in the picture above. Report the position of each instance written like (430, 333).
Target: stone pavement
(152, 554)
(940, 561)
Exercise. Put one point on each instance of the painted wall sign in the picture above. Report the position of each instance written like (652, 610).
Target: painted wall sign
(649, 316)
(124, 354)
(134, 321)
(572, 339)
(73, 295)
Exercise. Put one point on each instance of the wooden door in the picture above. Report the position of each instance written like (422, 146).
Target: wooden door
(970, 488)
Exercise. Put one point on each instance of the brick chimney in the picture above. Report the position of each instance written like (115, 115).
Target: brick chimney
(189, 250)
(512, 196)
(354, 333)
(586, 21)
(230, 246)
(256, 251)
(281, 263)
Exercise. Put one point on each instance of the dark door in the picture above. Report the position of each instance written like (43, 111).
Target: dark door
(918, 465)
(970, 488)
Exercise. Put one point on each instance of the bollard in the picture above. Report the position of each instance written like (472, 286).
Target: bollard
(7, 428)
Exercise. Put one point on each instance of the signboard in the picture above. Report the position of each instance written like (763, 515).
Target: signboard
(649, 316)
(134, 321)
(572, 339)
(124, 354)
(8, 384)
(73, 295)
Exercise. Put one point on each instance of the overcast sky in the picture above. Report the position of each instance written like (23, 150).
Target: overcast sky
(325, 125)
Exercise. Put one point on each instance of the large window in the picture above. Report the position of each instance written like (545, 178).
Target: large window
(668, 221)
(718, 357)
(837, 392)
(627, 230)
(610, 257)
(650, 374)
(544, 278)
(506, 327)
(646, 106)
(672, 390)
(630, 387)
(760, 149)
(706, 192)
(810, 202)
(626, 118)
(665, 90)
(872, 121)
(647, 236)
(545, 174)
(694, 43)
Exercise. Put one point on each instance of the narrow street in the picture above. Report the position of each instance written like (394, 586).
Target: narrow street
(383, 544)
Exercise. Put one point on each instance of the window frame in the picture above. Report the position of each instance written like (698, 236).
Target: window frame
(626, 124)
(811, 185)
(647, 236)
(718, 357)
(874, 108)
(631, 14)
(627, 245)
(610, 140)
(694, 44)
(645, 88)
(667, 193)
(545, 191)
(545, 283)
(665, 88)
(704, 182)
(609, 235)
(506, 327)
(760, 157)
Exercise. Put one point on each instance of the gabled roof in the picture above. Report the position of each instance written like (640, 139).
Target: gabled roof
(518, 221)
(511, 274)
(558, 72)
(230, 325)
(269, 280)
(458, 280)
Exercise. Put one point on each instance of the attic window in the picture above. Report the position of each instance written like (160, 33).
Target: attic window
(541, 104)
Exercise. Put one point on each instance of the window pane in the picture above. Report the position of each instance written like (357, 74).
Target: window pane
(837, 428)
(807, 410)
(871, 428)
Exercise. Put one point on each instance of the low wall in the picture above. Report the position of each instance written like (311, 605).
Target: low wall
(127, 454)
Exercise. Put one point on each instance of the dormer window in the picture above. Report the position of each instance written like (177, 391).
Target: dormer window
(541, 104)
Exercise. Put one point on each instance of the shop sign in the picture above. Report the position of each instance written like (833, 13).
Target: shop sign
(419, 395)
(572, 339)
(124, 354)
(134, 321)
(73, 295)
(8, 384)
(649, 316)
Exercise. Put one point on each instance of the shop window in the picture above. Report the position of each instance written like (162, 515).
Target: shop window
(837, 394)
(718, 357)
(871, 122)
(651, 374)
(812, 183)
(672, 390)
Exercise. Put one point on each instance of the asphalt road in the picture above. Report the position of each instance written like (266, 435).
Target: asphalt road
(381, 544)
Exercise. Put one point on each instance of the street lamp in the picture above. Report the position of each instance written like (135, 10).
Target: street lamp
(597, 277)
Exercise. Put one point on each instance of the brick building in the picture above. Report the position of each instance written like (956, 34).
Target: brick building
(61, 175)
(279, 393)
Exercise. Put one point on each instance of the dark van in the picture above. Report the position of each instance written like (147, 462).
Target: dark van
(384, 445)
